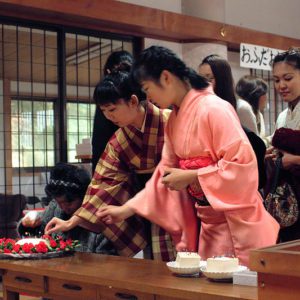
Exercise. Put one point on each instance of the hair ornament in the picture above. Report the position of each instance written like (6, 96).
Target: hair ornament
(63, 183)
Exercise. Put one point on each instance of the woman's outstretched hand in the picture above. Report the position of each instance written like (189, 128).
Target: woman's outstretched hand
(111, 214)
(56, 225)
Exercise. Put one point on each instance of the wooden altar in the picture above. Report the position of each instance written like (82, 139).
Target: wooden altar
(278, 270)
(93, 276)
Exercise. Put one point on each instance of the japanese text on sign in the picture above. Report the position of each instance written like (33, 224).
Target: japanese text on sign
(257, 57)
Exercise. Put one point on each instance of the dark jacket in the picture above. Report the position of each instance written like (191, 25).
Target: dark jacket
(259, 148)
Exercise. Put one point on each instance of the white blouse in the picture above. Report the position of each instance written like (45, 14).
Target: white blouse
(248, 118)
(289, 118)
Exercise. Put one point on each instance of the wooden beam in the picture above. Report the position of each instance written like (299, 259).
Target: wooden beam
(135, 20)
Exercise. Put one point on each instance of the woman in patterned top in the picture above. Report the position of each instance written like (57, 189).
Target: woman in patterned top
(286, 76)
(67, 187)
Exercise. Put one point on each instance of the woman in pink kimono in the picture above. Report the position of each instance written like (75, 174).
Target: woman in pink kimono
(207, 162)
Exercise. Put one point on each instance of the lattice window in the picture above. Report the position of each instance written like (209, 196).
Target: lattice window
(47, 78)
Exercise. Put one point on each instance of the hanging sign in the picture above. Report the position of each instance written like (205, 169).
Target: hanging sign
(257, 57)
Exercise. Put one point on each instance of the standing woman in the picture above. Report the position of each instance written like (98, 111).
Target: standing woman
(253, 98)
(205, 150)
(218, 72)
(286, 75)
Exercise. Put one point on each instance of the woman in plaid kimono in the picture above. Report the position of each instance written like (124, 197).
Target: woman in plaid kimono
(128, 161)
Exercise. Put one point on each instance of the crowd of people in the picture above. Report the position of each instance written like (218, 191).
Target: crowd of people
(181, 166)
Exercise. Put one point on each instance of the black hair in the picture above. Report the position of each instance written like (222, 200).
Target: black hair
(118, 60)
(69, 181)
(103, 128)
(156, 59)
(251, 88)
(116, 86)
(290, 57)
(221, 70)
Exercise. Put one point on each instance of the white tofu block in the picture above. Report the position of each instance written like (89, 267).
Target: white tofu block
(245, 278)
(188, 259)
(222, 264)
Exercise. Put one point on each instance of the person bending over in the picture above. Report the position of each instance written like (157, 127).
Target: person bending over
(67, 187)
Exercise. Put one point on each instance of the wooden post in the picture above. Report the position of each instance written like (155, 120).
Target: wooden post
(7, 137)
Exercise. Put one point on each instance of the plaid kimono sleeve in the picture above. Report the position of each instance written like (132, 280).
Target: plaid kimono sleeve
(111, 185)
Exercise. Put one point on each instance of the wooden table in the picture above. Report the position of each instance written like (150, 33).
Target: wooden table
(278, 270)
(93, 276)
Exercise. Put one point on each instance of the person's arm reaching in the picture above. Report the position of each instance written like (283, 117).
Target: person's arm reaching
(57, 224)
(111, 214)
(175, 179)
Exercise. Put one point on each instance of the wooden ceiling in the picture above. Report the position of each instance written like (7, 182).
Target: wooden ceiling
(31, 55)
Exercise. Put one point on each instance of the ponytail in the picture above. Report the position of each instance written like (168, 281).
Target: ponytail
(115, 86)
(156, 59)
(197, 81)
(251, 88)
(224, 83)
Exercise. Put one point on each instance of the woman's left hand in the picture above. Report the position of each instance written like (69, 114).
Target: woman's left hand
(178, 179)
(289, 160)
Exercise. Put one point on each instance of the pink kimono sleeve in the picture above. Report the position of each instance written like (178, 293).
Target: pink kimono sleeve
(231, 187)
(234, 177)
(172, 210)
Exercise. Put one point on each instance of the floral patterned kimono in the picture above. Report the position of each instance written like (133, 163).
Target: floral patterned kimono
(235, 220)
(288, 140)
(129, 154)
